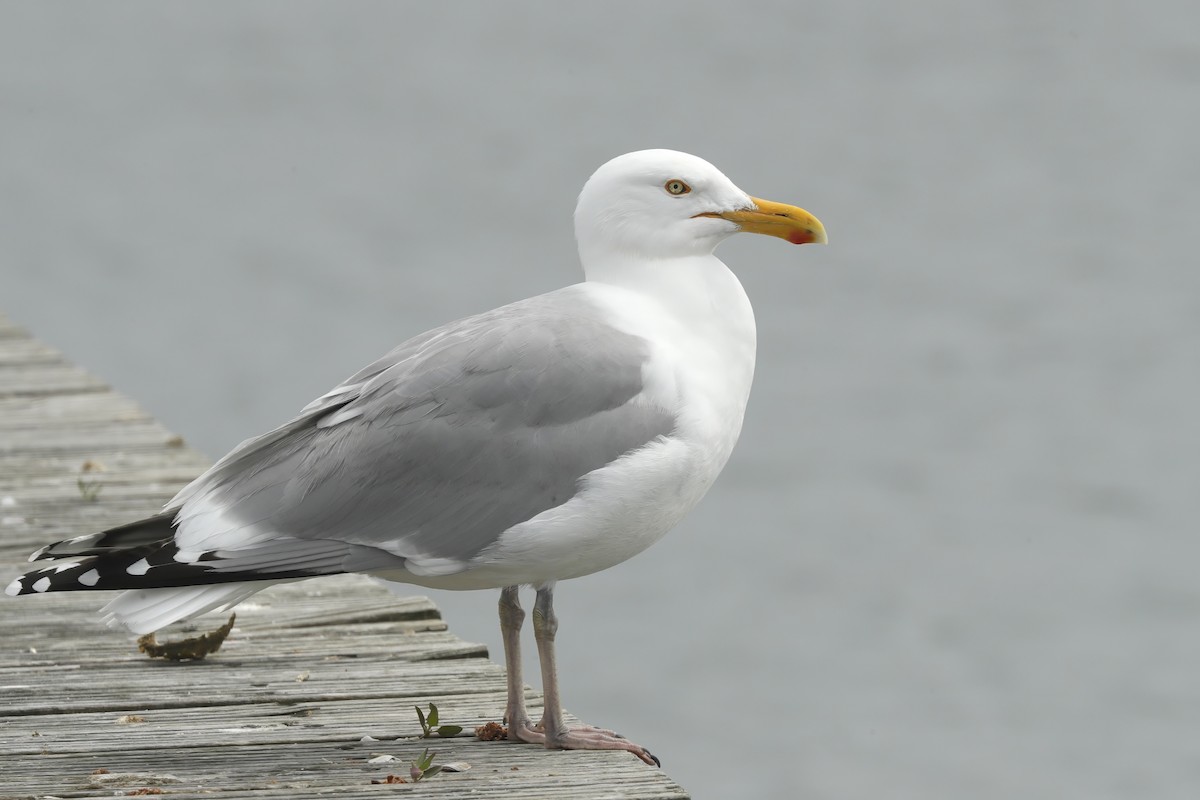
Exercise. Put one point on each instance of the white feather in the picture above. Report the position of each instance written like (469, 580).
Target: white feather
(147, 610)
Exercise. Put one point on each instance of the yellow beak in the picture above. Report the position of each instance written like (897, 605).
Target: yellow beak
(776, 219)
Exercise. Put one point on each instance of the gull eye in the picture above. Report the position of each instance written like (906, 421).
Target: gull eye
(676, 187)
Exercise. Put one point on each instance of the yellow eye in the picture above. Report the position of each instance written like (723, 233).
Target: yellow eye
(676, 187)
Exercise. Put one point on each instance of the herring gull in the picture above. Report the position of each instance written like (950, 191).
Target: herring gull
(544, 440)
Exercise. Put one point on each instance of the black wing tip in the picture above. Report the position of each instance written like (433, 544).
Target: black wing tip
(63, 548)
(156, 530)
(61, 577)
(147, 567)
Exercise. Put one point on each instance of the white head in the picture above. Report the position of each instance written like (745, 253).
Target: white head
(666, 204)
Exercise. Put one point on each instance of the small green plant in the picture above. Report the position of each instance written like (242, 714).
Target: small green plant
(430, 727)
(89, 490)
(424, 767)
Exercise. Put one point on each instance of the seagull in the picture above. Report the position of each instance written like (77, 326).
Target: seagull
(547, 439)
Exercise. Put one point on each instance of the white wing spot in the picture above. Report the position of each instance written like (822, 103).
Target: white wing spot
(41, 584)
(139, 567)
(90, 578)
(14, 588)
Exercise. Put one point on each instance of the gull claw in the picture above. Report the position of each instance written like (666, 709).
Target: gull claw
(584, 737)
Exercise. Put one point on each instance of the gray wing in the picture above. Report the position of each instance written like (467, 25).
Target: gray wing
(451, 438)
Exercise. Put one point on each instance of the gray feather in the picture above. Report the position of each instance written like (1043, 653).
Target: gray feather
(452, 437)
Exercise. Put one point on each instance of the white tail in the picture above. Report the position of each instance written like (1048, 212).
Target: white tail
(147, 610)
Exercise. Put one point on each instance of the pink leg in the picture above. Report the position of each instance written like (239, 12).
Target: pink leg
(552, 732)
(512, 617)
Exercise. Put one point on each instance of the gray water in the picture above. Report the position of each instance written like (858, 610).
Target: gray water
(955, 553)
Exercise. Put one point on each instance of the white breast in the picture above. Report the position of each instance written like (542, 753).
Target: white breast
(702, 332)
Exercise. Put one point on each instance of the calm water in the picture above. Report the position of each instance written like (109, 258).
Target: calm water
(955, 553)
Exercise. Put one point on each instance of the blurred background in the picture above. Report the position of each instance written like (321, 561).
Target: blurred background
(955, 553)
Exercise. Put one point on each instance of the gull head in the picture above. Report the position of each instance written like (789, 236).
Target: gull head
(666, 204)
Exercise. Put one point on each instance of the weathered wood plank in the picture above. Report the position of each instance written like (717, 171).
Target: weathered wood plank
(34, 380)
(71, 410)
(281, 711)
(21, 350)
(174, 465)
(95, 439)
(311, 769)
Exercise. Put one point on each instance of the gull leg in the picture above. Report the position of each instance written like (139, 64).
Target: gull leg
(512, 617)
(551, 731)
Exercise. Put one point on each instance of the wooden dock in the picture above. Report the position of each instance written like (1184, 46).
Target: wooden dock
(311, 695)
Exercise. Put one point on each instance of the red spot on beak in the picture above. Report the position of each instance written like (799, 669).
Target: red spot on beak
(801, 237)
